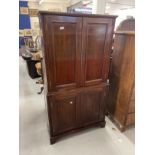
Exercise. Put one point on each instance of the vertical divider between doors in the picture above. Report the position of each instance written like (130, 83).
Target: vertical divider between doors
(81, 54)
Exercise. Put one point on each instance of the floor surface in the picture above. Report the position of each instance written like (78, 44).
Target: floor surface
(34, 139)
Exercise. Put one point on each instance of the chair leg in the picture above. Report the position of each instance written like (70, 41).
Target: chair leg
(42, 88)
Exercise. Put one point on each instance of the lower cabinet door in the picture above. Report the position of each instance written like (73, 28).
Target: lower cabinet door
(91, 108)
(63, 113)
(72, 111)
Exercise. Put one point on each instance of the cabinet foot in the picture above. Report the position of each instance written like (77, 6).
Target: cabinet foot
(52, 140)
(106, 113)
(102, 124)
(122, 129)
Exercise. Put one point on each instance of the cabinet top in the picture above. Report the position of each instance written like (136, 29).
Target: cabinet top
(125, 32)
(76, 14)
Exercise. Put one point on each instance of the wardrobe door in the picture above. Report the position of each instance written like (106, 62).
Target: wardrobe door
(62, 40)
(91, 108)
(96, 43)
(63, 112)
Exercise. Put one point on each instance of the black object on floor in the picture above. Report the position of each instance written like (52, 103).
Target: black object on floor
(32, 69)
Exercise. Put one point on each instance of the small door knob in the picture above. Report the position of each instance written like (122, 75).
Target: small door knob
(71, 102)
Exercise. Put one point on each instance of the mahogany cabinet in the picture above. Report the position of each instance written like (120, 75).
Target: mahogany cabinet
(76, 51)
(121, 106)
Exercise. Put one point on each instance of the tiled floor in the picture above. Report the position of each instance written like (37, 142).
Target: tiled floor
(34, 138)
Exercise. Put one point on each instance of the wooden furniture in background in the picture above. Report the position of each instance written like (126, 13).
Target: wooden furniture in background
(127, 25)
(121, 106)
(76, 64)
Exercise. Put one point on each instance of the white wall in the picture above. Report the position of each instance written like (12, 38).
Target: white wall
(123, 14)
(99, 6)
(74, 1)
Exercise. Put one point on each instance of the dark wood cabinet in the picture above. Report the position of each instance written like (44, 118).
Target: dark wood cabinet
(76, 62)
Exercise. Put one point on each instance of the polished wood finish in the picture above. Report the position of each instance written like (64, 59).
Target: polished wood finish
(63, 113)
(76, 63)
(62, 45)
(91, 108)
(121, 105)
(96, 45)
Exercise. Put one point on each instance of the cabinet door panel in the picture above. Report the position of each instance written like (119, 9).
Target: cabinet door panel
(91, 108)
(94, 51)
(63, 113)
(63, 51)
(97, 37)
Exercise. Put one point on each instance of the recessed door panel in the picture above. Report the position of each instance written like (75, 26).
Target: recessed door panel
(91, 107)
(94, 50)
(65, 52)
(63, 113)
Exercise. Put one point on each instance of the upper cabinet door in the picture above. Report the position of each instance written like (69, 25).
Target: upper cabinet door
(62, 41)
(96, 46)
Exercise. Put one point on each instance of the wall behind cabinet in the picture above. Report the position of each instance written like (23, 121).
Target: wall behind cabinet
(24, 20)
